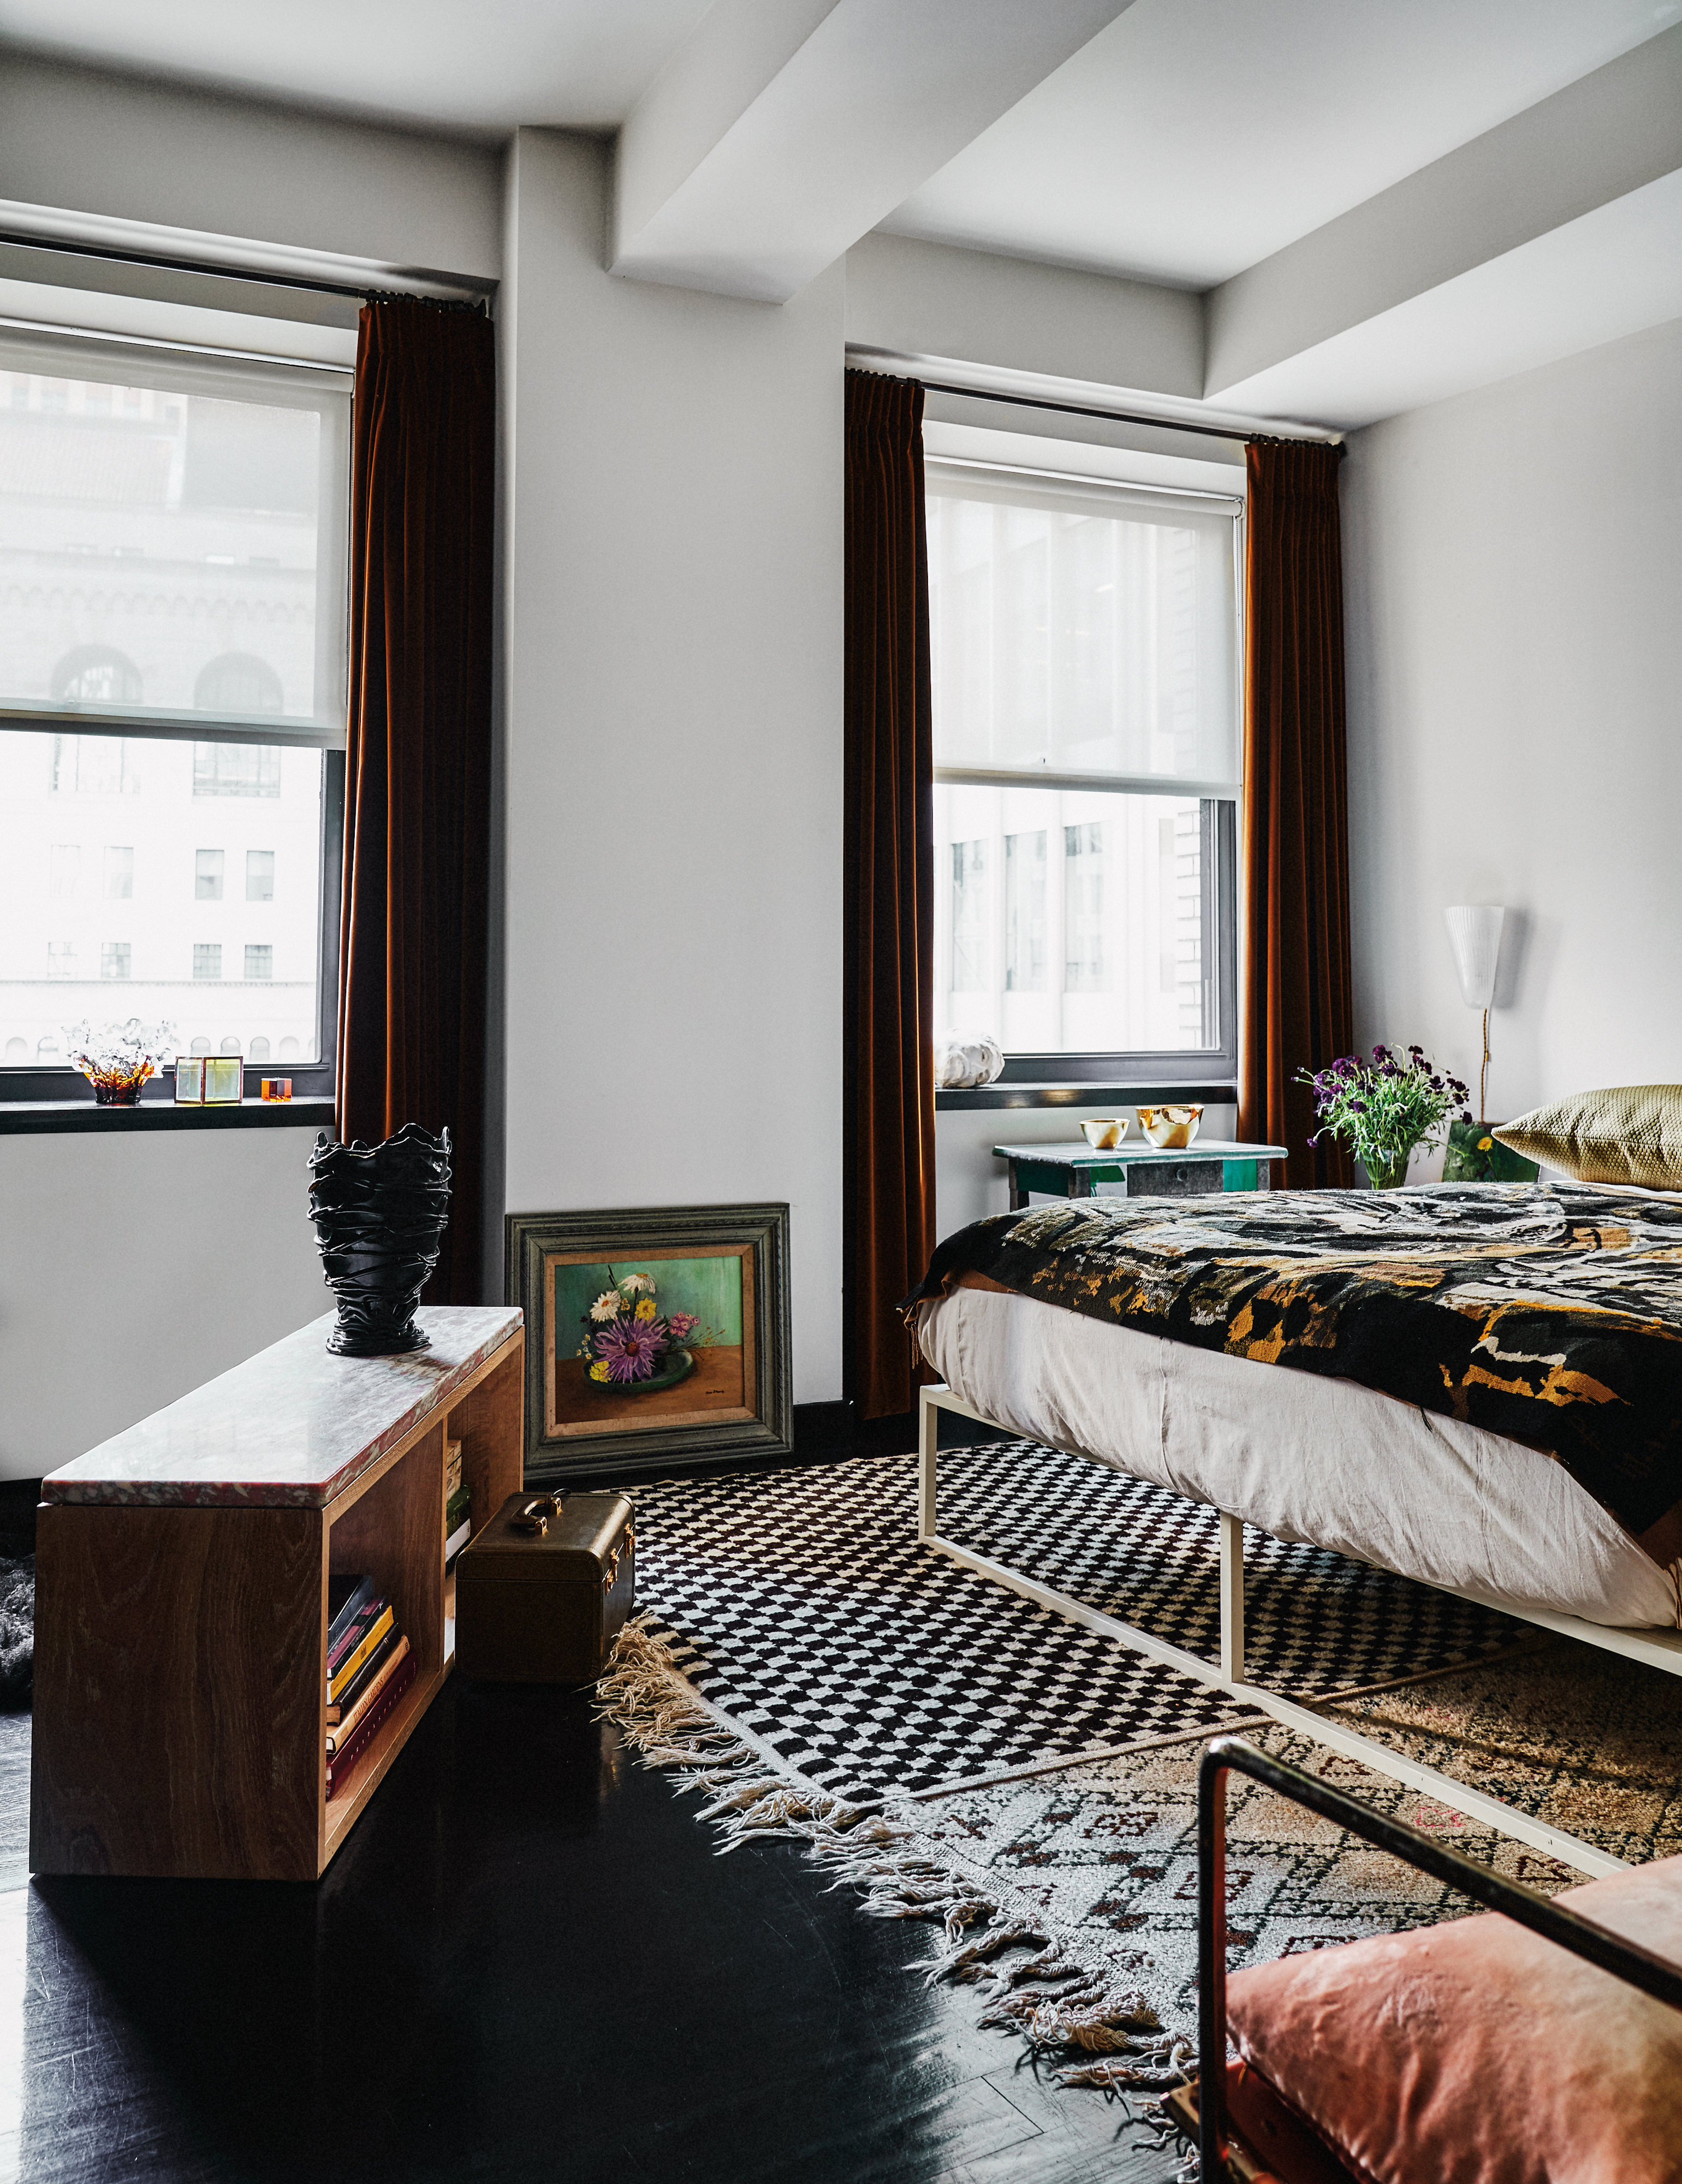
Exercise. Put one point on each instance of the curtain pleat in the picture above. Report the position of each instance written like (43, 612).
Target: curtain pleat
(415, 907)
(888, 1157)
(1297, 1008)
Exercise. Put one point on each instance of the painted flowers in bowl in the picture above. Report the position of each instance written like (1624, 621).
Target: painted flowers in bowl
(1383, 1108)
(118, 1059)
(632, 1347)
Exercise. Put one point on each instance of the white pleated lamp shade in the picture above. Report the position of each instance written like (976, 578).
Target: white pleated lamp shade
(1475, 935)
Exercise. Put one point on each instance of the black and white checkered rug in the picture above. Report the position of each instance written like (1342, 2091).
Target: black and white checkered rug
(800, 1602)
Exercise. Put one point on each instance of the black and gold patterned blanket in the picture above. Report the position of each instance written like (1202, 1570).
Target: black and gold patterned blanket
(1551, 1313)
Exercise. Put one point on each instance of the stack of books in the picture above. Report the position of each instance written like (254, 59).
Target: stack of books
(458, 1524)
(369, 1666)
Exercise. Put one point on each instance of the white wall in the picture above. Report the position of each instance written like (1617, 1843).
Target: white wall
(136, 1266)
(115, 147)
(1515, 660)
(674, 677)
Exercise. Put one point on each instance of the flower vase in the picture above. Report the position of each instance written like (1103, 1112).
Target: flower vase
(1387, 1171)
(380, 1212)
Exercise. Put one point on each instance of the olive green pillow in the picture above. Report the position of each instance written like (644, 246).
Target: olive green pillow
(1628, 1134)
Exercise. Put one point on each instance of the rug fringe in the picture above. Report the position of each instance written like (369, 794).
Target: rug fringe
(1110, 2039)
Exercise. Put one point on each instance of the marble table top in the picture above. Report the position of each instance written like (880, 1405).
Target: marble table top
(293, 1426)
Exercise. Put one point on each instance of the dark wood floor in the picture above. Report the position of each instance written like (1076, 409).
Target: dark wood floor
(527, 1962)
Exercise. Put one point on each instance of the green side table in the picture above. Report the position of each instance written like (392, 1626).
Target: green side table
(1141, 1170)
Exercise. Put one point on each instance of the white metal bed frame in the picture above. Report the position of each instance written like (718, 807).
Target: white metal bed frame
(1656, 1648)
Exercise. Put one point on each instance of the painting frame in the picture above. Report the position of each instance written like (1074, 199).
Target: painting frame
(545, 1256)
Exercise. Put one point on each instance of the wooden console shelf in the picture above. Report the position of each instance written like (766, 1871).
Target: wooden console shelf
(181, 1597)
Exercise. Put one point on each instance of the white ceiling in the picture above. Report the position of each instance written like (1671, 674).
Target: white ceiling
(1193, 137)
(489, 65)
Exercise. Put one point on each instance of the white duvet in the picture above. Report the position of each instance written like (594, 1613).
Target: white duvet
(1306, 1459)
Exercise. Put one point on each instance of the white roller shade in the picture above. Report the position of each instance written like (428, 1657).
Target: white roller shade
(1083, 630)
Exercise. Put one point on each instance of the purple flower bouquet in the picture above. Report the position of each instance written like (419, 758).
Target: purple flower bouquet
(632, 1346)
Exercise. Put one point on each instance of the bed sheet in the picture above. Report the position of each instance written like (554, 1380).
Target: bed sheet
(1324, 1462)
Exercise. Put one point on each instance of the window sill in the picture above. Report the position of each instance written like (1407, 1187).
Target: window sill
(57, 1117)
(1085, 1096)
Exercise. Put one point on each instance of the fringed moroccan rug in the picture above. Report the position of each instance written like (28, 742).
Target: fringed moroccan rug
(966, 1758)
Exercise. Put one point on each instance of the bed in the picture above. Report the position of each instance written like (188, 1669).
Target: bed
(1477, 1386)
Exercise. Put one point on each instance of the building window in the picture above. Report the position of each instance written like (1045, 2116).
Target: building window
(95, 766)
(259, 1049)
(239, 682)
(236, 770)
(176, 583)
(96, 674)
(1084, 642)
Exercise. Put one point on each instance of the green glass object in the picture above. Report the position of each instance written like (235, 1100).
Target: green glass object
(1387, 1171)
(1474, 1154)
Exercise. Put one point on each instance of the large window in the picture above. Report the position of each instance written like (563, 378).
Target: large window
(172, 698)
(1085, 643)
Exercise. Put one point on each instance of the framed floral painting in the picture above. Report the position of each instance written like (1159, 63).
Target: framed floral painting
(655, 1339)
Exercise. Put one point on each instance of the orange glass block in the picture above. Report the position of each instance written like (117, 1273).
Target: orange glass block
(277, 1087)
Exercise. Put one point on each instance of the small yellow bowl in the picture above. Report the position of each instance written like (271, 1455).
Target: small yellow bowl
(1171, 1130)
(1104, 1135)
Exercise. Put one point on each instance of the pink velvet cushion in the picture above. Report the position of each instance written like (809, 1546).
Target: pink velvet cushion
(1476, 2052)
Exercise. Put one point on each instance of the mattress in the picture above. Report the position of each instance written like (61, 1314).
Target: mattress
(1318, 1460)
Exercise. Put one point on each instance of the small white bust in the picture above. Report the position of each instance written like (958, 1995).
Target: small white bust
(962, 1062)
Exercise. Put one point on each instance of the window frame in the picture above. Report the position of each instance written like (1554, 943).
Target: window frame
(29, 1085)
(1203, 1071)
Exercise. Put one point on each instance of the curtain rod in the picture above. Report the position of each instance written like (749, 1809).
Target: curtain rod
(1110, 417)
(473, 294)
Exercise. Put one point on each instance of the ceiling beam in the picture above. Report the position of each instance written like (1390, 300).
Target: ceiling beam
(1491, 256)
(782, 131)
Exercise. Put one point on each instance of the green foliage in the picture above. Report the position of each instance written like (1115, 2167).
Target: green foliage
(1381, 1109)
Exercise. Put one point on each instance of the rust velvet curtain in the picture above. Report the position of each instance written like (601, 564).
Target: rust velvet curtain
(888, 1157)
(1296, 1004)
(415, 907)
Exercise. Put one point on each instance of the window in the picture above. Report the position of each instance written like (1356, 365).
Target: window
(176, 531)
(95, 766)
(236, 770)
(1084, 641)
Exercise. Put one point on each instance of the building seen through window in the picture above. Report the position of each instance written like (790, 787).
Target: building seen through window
(1083, 639)
(195, 898)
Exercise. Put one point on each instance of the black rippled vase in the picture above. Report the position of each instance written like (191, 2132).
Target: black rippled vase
(380, 1212)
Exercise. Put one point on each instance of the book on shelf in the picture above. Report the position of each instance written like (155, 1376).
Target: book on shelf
(452, 1468)
(363, 1642)
(353, 1629)
(350, 1717)
(346, 1595)
(342, 1761)
(456, 1508)
(457, 1538)
(345, 1694)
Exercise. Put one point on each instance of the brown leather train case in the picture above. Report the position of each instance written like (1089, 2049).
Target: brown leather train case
(540, 1592)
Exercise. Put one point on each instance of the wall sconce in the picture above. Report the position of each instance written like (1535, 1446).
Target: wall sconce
(1475, 935)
